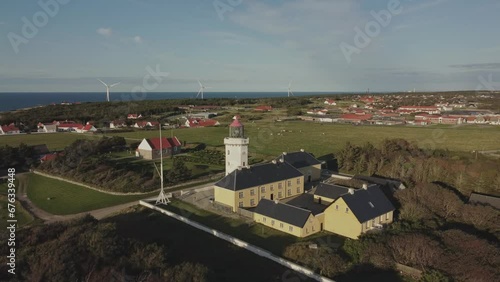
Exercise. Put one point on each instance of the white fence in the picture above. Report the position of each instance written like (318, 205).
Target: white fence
(242, 244)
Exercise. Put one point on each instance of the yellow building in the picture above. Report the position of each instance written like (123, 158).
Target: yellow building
(352, 212)
(287, 218)
(305, 162)
(246, 186)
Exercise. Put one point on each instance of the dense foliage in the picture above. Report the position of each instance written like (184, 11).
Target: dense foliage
(20, 157)
(87, 250)
(399, 159)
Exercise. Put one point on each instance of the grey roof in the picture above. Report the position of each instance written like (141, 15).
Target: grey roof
(258, 175)
(485, 199)
(330, 190)
(283, 212)
(368, 203)
(390, 183)
(299, 159)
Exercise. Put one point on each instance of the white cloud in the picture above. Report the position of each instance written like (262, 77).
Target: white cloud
(138, 39)
(105, 31)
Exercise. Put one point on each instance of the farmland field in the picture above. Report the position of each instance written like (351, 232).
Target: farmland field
(322, 139)
(67, 198)
(267, 138)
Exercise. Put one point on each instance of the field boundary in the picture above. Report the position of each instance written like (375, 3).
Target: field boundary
(240, 243)
(125, 194)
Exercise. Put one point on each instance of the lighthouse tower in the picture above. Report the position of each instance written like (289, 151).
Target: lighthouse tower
(236, 147)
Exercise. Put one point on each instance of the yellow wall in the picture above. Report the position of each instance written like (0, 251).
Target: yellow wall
(314, 170)
(383, 219)
(341, 222)
(346, 224)
(233, 199)
(324, 200)
(225, 196)
(306, 230)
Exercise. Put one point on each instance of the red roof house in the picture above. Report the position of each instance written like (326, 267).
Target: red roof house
(263, 108)
(150, 148)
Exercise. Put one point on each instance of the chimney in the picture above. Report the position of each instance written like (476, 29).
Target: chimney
(351, 191)
(274, 161)
(276, 201)
(240, 168)
(284, 153)
(302, 150)
(365, 186)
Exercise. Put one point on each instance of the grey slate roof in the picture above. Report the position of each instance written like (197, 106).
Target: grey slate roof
(359, 203)
(485, 199)
(389, 183)
(330, 190)
(299, 159)
(258, 175)
(283, 212)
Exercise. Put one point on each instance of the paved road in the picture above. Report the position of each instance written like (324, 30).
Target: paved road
(98, 214)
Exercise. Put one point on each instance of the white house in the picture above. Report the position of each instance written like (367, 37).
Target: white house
(9, 129)
(47, 127)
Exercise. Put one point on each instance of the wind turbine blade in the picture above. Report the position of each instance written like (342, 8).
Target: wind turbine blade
(290, 84)
(112, 85)
(201, 85)
(103, 82)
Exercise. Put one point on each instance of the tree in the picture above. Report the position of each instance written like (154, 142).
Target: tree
(179, 171)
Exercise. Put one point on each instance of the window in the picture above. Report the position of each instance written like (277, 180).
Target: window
(373, 222)
(298, 190)
(289, 183)
(228, 163)
(228, 152)
(264, 219)
(289, 192)
(280, 185)
(298, 180)
(337, 207)
(367, 225)
(252, 202)
(307, 230)
(386, 216)
(272, 187)
(290, 228)
(346, 210)
(263, 189)
(381, 218)
(244, 164)
(241, 204)
(281, 225)
(272, 222)
(280, 195)
(241, 195)
(252, 192)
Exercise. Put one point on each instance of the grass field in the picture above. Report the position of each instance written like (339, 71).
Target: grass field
(257, 234)
(184, 243)
(67, 198)
(317, 138)
(55, 141)
(322, 139)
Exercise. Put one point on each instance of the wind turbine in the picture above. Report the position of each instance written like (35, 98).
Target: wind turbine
(162, 198)
(108, 87)
(202, 89)
(290, 93)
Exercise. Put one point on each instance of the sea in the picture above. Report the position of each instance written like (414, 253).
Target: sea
(18, 100)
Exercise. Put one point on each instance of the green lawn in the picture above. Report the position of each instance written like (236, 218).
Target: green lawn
(67, 198)
(322, 139)
(257, 234)
(55, 141)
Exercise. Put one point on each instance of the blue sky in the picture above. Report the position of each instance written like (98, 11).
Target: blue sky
(251, 46)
